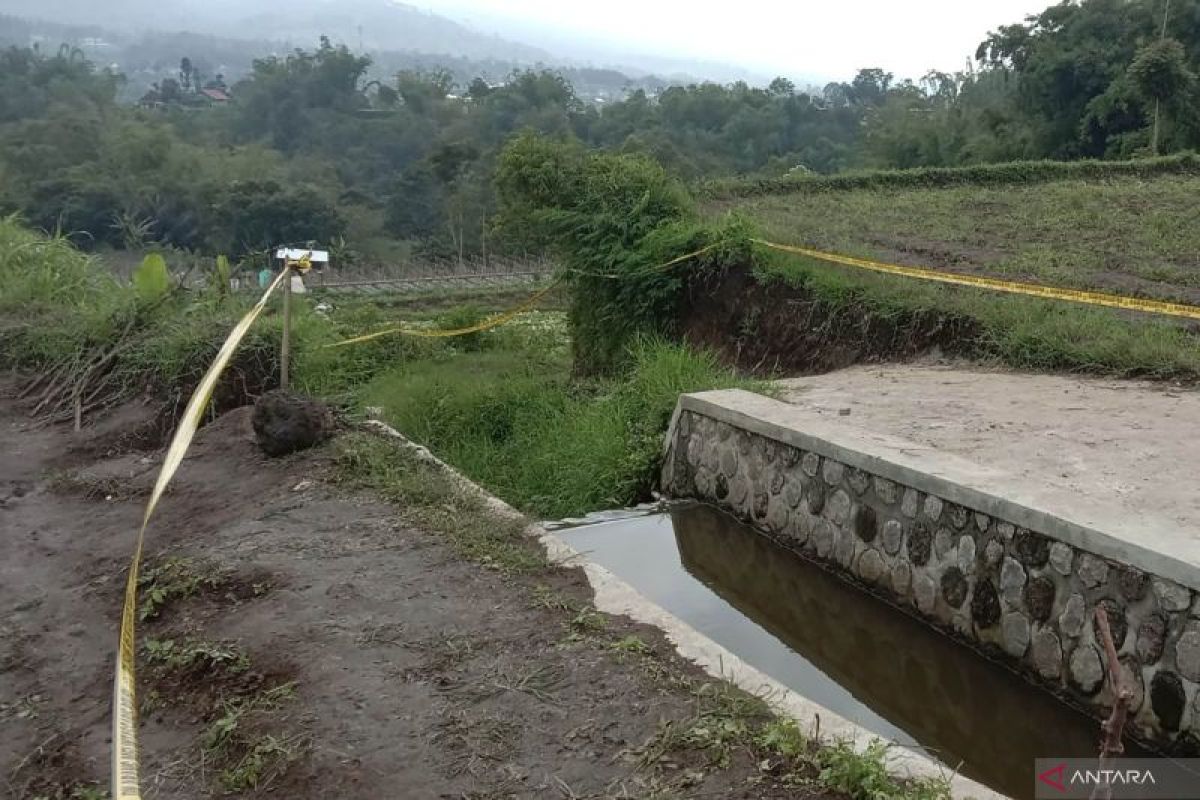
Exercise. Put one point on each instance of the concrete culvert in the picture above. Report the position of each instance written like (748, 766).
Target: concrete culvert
(285, 422)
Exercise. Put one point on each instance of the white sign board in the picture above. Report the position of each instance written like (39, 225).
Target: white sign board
(295, 254)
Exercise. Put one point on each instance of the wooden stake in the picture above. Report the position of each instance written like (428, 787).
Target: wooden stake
(1114, 726)
(285, 342)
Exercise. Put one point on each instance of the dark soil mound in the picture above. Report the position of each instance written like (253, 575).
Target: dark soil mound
(285, 422)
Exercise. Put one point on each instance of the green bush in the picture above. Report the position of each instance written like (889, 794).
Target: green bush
(613, 221)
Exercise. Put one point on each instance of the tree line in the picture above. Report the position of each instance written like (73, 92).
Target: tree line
(311, 148)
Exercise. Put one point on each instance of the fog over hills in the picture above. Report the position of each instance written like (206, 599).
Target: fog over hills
(375, 26)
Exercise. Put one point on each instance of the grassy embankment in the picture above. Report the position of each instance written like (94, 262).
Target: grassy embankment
(1126, 228)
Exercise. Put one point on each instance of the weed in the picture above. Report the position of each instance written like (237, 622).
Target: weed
(631, 644)
(233, 742)
(263, 760)
(196, 654)
(172, 579)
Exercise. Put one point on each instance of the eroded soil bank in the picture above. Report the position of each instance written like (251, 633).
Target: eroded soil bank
(305, 639)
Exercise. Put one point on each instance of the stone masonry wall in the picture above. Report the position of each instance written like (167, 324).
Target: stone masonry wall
(1021, 596)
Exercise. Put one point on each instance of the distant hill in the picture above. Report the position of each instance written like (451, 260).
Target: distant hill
(375, 24)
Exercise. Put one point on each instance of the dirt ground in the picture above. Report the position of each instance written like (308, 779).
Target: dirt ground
(306, 638)
(1124, 443)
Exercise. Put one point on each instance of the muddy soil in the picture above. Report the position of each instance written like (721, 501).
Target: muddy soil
(371, 660)
(775, 329)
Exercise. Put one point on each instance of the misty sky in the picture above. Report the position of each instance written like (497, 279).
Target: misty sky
(829, 39)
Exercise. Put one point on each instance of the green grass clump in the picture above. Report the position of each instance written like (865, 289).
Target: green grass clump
(517, 424)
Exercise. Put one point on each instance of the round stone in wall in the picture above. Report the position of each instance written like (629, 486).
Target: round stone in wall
(724, 431)
(810, 464)
(739, 493)
(1151, 636)
(837, 507)
(1187, 652)
(1087, 671)
(862, 517)
(1092, 570)
(1012, 580)
(943, 543)
(1132, 583)
(685, 423)
(859, 481)
(729, 462)
(1032, 549)
(777, 482)
(745, 443)
(910, 503)
(1071, 620)
(985, 604)
(982, 521)
(777, 515)
(933, 507)
(761, 500)
(1014, 634)
(822, 538)
(791, 456)
(920, 542)
(993, 552)
(1168, 699)
(844, 542)
(1039, 598)
(1171, 596)
(814, 498)
(901, 578)
(870, 566)
(793, 491)
(1046, 651)
(833, 472)
(893, 536)
(1006, 531)
(885, 490)
(924, 591)
(966, 554)
(1061, 557)
(954, 587)
(958, 516)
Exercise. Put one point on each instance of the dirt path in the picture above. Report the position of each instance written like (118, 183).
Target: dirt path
(308, 640)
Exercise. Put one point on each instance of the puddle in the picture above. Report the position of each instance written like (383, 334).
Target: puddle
(839, 646)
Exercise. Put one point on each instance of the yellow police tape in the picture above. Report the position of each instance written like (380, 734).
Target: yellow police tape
(490, 322)
(125, 784)
(533, 300)
(995, 284)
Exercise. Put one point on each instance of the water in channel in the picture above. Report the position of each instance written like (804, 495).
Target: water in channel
(839, 646)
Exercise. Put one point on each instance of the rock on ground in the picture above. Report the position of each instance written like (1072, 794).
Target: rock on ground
(285, 422)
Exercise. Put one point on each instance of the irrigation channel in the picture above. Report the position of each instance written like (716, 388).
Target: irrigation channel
(839, 646)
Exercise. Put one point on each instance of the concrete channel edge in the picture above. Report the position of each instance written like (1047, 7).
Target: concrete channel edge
(615, 596)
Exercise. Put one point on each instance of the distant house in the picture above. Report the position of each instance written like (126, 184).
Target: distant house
(217, 96)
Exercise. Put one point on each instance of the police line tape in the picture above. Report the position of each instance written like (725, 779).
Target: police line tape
(125, 784)
(996, 284)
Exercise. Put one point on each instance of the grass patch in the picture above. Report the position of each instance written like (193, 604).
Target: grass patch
(243, 755)
(171, 579)
(429, 500)
(516, 423)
